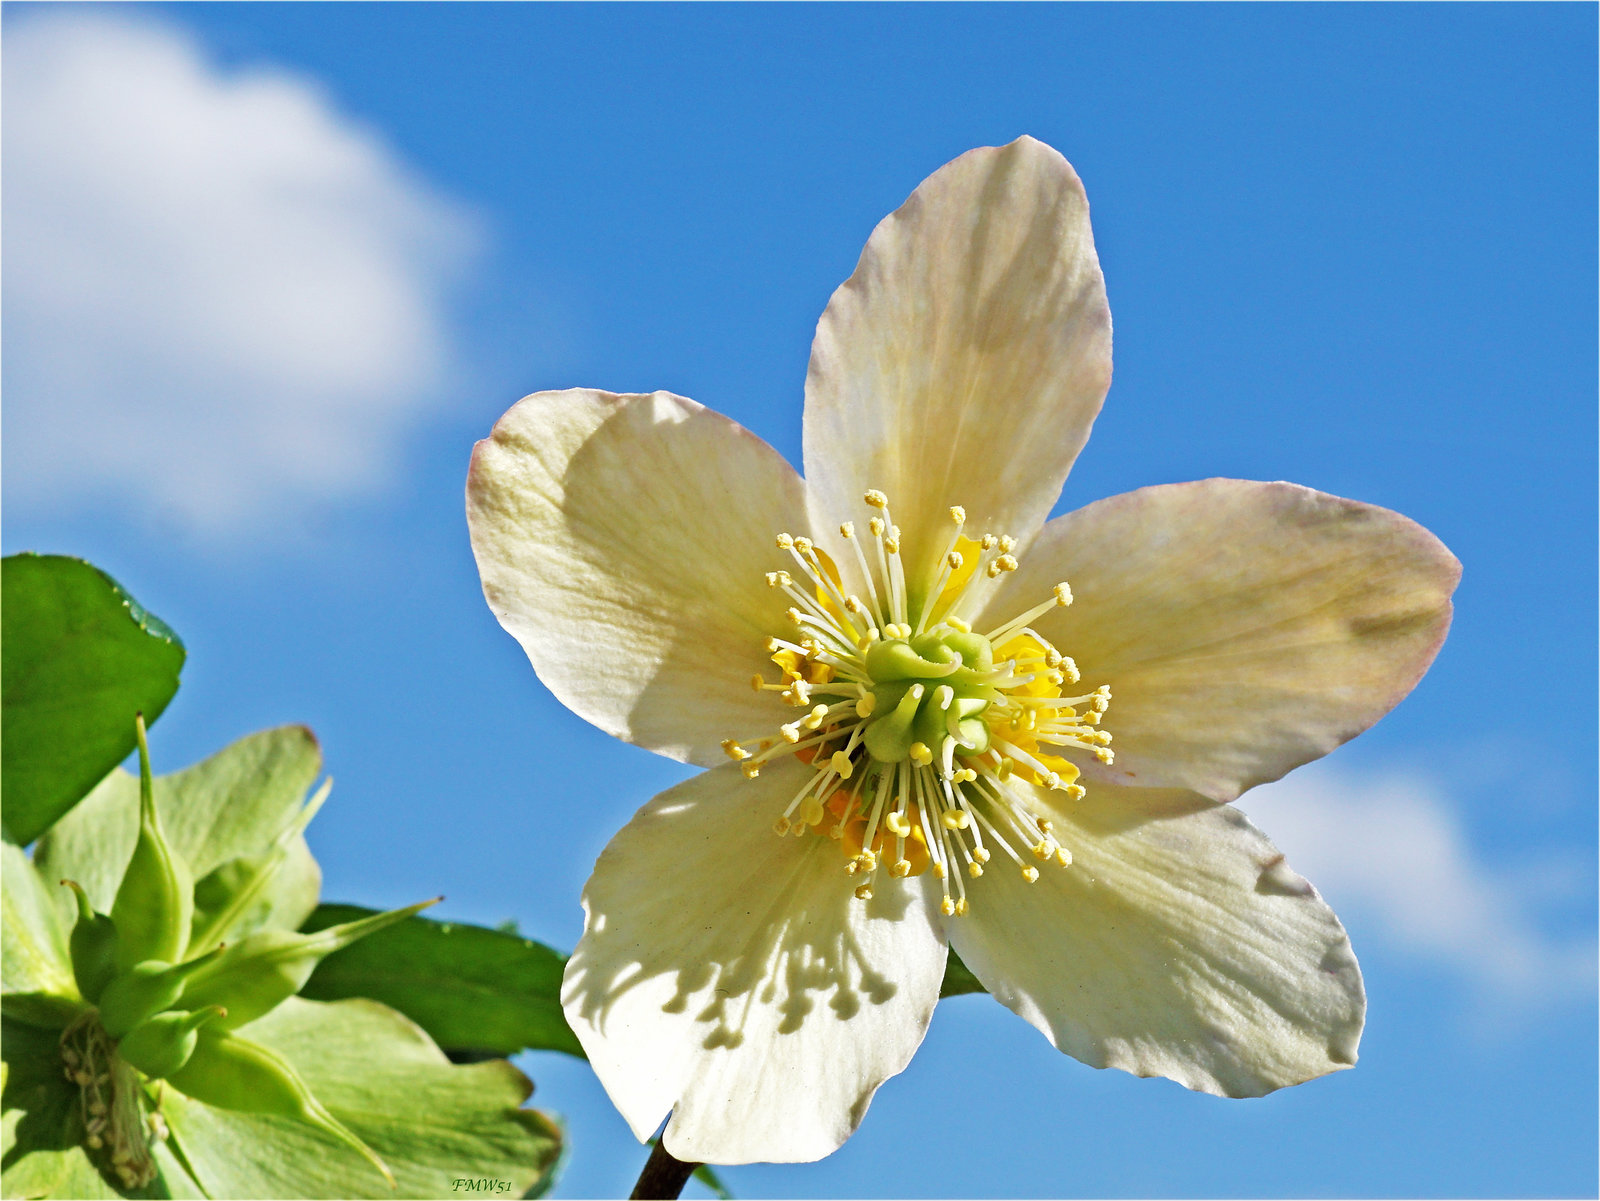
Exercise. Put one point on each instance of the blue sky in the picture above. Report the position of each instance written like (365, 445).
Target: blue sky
(272, 269)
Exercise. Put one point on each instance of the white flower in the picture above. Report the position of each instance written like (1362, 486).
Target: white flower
(917, 763)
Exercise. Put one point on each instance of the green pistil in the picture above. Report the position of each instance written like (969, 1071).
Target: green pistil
(928, 688)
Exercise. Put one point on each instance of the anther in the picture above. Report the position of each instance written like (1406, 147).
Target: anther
(920, 754)
(840, 762)
(757, 682)
(1007, 544)
(897, 824)
(1001, 564)
(785, 542)
(954, 559)
(1030, 874)
(954, 819)
(900, 868)
(790, 732)
(733, 750)
(864, 892)
(1063, 593)
(974, 869)
(947, 906)
(958, 515)
(866, 705)
(780, 827)
(876, 499)
(1063, 857)
(847, 529)
(803, 545)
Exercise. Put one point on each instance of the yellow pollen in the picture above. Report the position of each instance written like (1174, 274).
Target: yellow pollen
(784, 542)
(864, 892)
(1002, 563)
(1063, 593)
(847, 529)
(733, 750)
(974, 869)
(947, 906)
(1030, 874)
(900, 868)
(958, 515)
(876, 499)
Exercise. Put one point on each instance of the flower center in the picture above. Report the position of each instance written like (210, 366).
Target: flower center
(918, 727)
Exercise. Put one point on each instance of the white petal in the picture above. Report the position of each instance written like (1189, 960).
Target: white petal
(966, 358)
(1178, 943)
(1244, 628)
(730, 975)
(622, 540)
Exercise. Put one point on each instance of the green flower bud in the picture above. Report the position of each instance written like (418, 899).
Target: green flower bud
(262, 970)
(93, 946)
(161, 1045)
(144, 990)
(155, 902)
(233, 1073)
(225, 896)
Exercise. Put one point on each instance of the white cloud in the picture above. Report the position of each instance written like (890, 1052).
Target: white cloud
(223, 298)
(1389, 849)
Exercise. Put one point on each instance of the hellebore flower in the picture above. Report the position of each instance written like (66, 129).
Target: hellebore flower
(907, 713)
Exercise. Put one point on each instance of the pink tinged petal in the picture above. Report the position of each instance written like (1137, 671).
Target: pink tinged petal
(622, 540)
(966, 358)
(1178, 943)
(1244, 628)
(729, 975)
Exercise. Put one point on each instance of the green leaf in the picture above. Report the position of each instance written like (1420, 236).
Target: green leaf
(234, 803)
(712, 1181)
(34, 962)
(432, 1122)
(958, 978)
(41, 1153)
(473, 989)
(81, 658)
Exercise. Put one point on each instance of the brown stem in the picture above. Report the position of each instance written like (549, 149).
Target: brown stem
(663, 1177)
